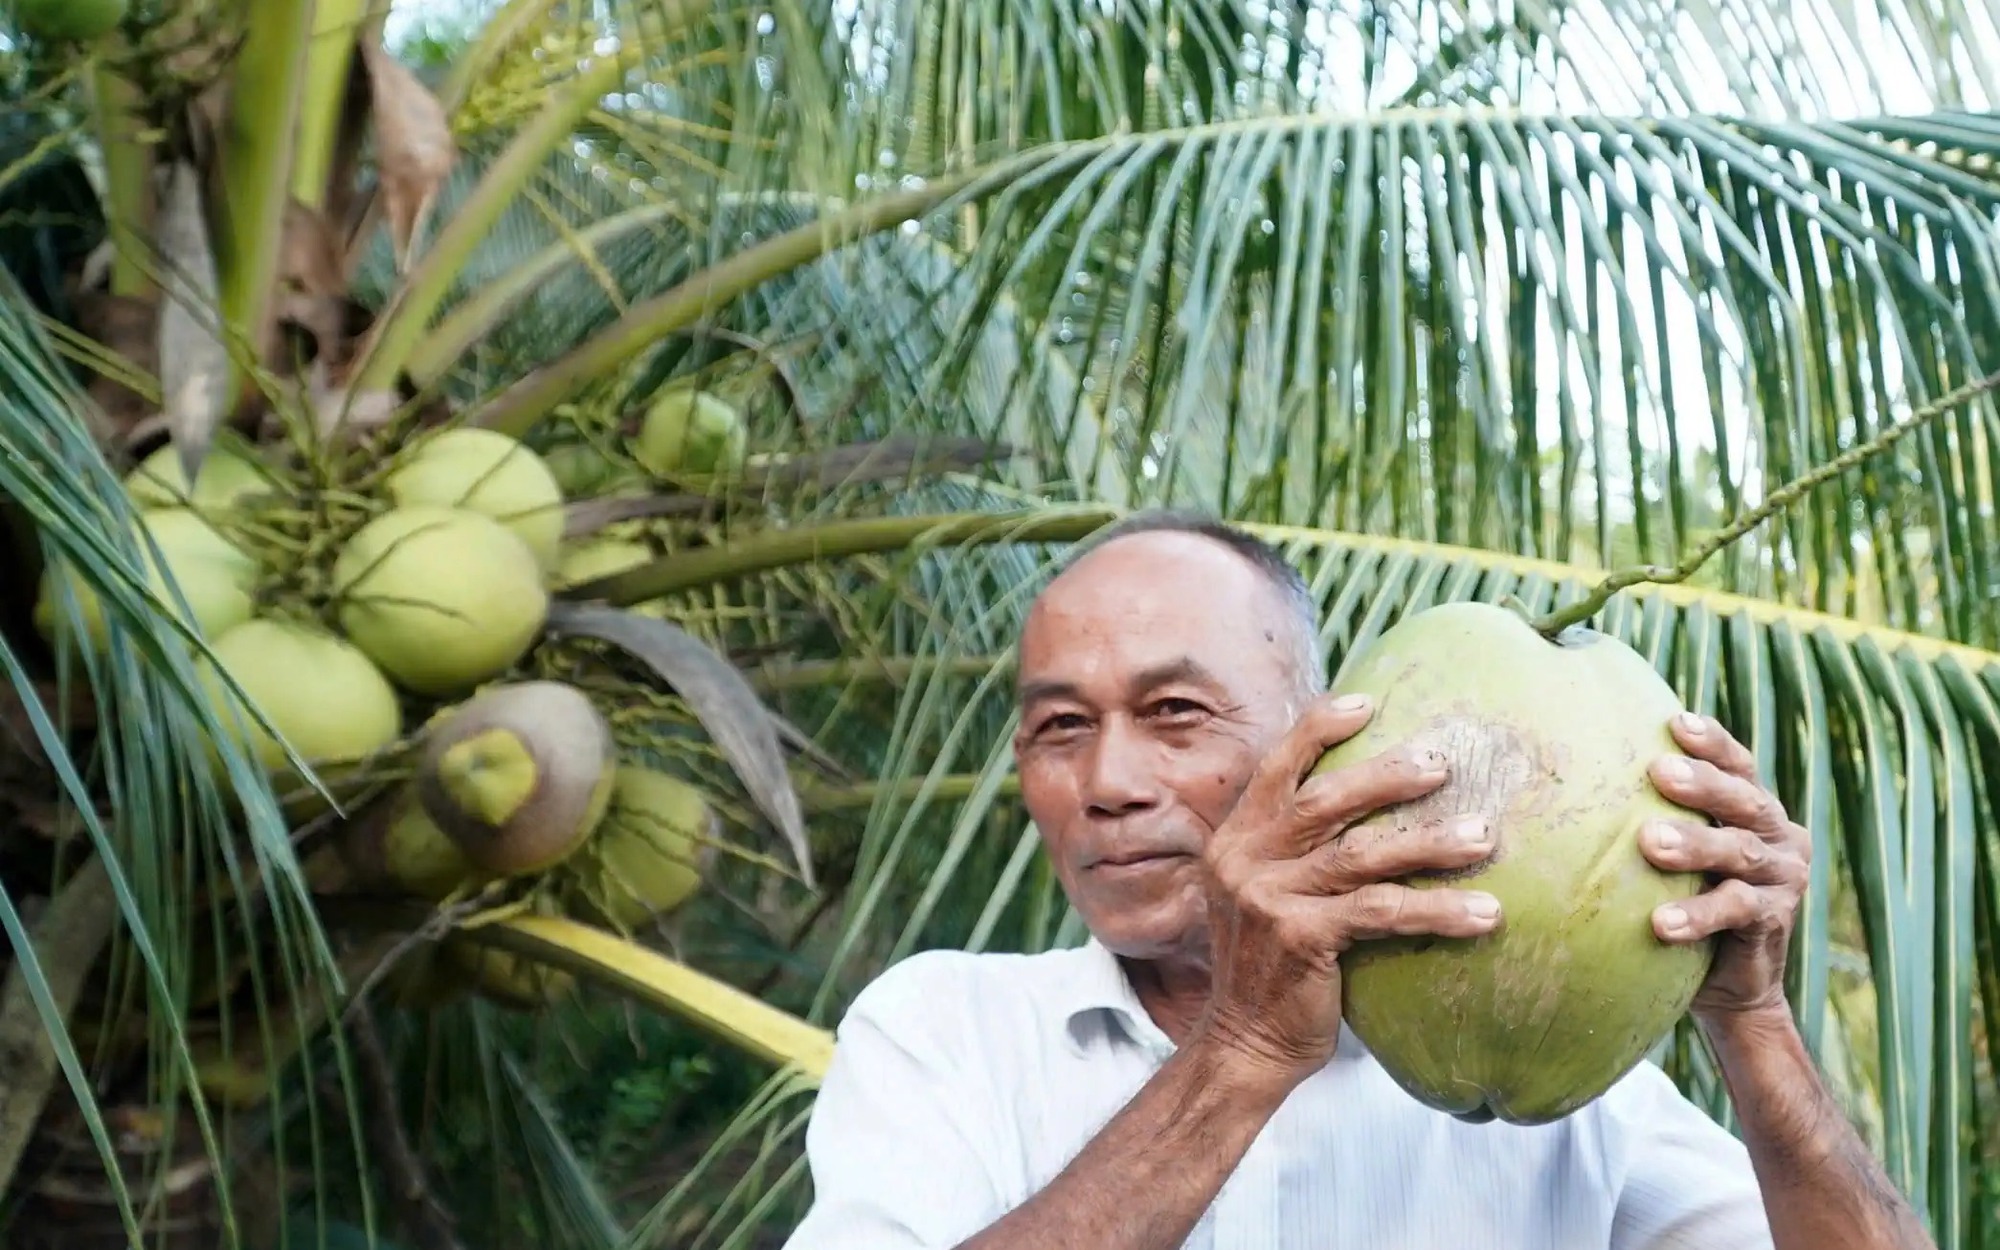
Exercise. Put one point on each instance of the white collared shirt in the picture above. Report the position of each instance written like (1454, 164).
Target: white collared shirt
(961, 1084)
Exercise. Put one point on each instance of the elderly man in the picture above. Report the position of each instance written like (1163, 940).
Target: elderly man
(1183, 1079)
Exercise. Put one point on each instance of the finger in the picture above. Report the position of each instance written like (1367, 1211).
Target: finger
(1729, 799)
(1331, 801)
(1704, 738)
(1384, 910)
(1731, 905)
(1329, 721)
(1382, 852)
(1722, 850)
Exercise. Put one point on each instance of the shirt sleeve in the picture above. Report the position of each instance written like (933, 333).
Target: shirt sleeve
(1688, 1183)
(891, 1145)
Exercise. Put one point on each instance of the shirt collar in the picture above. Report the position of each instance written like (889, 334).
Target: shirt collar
(1097, 1000)
(1097, 995)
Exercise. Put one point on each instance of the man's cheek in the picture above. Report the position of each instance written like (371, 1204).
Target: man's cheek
(1212, 788)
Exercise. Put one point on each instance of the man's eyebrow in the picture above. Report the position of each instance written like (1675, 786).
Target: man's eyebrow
(1032, 691)
(1183, 669)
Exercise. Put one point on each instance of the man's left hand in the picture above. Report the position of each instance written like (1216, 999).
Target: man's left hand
(1756, 855)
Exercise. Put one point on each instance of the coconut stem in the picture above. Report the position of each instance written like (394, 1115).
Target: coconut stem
(684, 570)
(1554, 623)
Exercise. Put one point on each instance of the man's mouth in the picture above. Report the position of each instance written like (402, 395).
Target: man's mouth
(1136, 859)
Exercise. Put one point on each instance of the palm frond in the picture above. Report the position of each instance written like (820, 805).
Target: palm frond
(146, 818)
(1276, 318)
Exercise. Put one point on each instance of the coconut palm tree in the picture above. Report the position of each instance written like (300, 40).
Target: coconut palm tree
(1456, 301)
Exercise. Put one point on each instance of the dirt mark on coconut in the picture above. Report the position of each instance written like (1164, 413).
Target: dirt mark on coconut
(1493, 765)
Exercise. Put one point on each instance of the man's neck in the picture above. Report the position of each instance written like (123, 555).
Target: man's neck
(1174, 992)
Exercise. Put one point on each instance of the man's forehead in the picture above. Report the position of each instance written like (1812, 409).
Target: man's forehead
(1146, 599)
(1161, 565)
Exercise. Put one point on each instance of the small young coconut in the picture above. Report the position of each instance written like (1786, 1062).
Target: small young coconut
(319, 690)
(395, 847)
(647, 857)
(518, 776)
(442, 599)
(216, 577)
(601, 556)
(226, 476)
(485, 471)
(690, 431)
(584, 471)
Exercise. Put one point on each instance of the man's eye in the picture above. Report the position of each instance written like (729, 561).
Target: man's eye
(1178, 709)
(1061, 722)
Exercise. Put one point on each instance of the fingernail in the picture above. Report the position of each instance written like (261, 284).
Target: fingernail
(1673, 920)
(1430, 761)
(1471, 830)
(1674, 768)
(1691, 723)
(1666, 837)
(1350, 703)
(1482, 907)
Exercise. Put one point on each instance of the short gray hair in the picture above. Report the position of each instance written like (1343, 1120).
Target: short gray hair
(1262, 556)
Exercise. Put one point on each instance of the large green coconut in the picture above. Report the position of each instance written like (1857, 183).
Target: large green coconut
(330, 703)
(1550, 741)
(689, 431)
(519, 775)
(226, 476)
(484, 471)
(442, 599)
(68, 19)
(215, 576)
(647, 856)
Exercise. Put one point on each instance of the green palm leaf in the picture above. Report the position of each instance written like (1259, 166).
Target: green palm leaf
(131, 885)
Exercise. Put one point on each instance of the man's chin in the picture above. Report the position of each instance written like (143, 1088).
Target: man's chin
(1178, 934)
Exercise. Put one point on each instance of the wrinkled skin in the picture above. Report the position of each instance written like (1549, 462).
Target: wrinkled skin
(1761, 859)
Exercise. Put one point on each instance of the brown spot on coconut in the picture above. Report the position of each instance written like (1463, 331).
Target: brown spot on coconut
(519, 775)
(648, 855)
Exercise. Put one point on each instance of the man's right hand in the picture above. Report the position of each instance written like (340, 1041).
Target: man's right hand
(1295, 880)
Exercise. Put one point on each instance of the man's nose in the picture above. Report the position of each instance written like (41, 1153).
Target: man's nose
(1121, 779)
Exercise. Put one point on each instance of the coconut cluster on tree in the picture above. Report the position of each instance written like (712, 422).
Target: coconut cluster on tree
(386, 624)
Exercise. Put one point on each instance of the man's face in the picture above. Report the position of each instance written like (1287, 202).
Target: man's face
(1155, 674)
